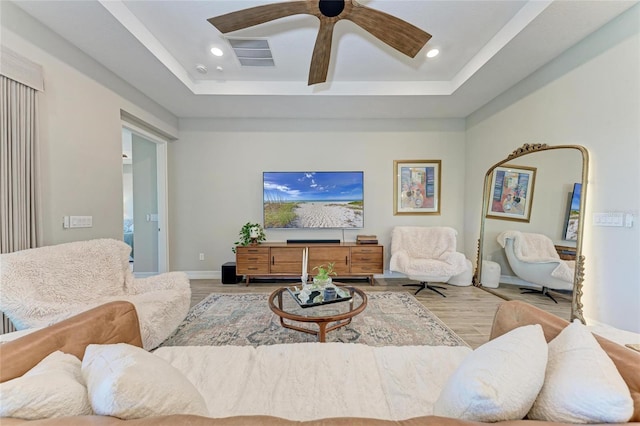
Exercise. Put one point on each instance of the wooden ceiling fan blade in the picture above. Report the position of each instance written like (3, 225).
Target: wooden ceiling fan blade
(395, 32)
(257, 15)
(321, 53)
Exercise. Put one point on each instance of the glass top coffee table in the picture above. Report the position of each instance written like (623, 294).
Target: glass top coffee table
(328, 317)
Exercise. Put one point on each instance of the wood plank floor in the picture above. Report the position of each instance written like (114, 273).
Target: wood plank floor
(468, 311)
(561, 308)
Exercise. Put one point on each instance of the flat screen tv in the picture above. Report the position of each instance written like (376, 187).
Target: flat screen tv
(307, 200)
(573, 214)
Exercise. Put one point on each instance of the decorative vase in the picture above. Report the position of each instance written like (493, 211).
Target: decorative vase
(322, 283)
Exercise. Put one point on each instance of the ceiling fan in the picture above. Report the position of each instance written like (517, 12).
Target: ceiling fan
(399, 34)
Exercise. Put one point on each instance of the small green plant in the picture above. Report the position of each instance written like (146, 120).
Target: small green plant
(250, 232)
(324, 272)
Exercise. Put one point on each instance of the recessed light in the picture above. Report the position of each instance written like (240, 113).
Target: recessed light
(432, 53)
(216, 51)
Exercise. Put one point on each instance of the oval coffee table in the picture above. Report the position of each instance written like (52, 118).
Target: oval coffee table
(281, 302)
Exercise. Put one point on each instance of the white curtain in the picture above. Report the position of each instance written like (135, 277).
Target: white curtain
(18, 171)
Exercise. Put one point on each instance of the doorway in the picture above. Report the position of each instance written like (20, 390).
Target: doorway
(144, 196)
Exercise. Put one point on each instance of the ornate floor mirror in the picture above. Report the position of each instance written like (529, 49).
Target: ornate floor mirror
(538, 191)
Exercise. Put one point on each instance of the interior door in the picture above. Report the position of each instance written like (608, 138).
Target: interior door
(145, 204)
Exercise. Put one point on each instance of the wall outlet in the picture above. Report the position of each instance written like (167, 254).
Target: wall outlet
(201, 256)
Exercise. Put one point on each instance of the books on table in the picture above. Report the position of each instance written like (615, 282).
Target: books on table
(366, 239)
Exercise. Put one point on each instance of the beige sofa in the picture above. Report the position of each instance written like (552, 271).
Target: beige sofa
(117, 322)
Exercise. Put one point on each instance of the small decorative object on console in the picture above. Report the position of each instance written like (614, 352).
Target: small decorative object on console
(366, 239)
(250, 233)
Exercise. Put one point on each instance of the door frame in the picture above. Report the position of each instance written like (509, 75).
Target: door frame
(163, 187)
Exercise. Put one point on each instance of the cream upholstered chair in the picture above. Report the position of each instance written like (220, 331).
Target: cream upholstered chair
(533, 258)
(45, 285)
(427, 255)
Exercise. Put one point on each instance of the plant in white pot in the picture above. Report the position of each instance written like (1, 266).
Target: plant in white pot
(323, 277)
(251, 233)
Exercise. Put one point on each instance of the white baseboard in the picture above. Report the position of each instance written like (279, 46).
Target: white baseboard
(145, 274)
(390, 274)
(204, 275)
(510, 279)
(193, 275)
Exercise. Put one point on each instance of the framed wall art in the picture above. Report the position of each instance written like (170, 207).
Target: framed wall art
(511, 193)
(416, 187)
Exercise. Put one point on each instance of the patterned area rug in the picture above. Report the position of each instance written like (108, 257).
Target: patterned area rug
(390, 318)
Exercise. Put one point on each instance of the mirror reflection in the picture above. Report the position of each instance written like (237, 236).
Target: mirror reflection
(531, 229)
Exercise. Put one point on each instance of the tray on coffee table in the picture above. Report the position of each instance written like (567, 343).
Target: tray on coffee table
(294, 292)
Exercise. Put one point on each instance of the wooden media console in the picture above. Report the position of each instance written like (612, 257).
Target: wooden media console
(285, 259)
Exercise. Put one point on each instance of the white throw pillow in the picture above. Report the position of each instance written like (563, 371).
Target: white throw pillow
(128, 382)
(53, 388)
(582, 384)
(499, 380)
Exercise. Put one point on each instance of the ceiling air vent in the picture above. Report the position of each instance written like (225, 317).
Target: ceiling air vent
(252, 52)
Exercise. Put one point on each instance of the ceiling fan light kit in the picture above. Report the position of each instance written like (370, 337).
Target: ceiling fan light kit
(401, 35)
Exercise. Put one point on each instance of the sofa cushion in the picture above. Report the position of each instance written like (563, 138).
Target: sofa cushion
(312, 381)
(499, 380)
(128, 382)
(582, 385)
(53, 388)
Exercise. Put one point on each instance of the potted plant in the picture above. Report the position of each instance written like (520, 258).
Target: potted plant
(251, 233)
(323, 277)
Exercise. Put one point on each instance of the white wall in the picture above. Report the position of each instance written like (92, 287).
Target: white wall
(216, 176)
(589, 96)
(80, 130)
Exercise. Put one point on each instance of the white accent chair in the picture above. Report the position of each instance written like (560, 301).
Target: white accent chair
(427, 255)
(43, 286)
(533, 258)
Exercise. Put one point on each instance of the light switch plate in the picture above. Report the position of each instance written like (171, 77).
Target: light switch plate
(80, 221)
(628, 220)
(608, 219)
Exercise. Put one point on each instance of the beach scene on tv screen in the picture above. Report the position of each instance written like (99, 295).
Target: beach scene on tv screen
(573, 218)
(313, 199)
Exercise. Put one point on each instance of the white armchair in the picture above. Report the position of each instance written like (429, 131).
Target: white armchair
(427, 254)
(45, 285)
(533, 258)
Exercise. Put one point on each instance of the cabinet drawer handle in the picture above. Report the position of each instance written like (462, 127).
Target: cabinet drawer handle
(273, 260)
(365, 259)
(346, 260)
(252, 268)
(253, 258)
(252, 251)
